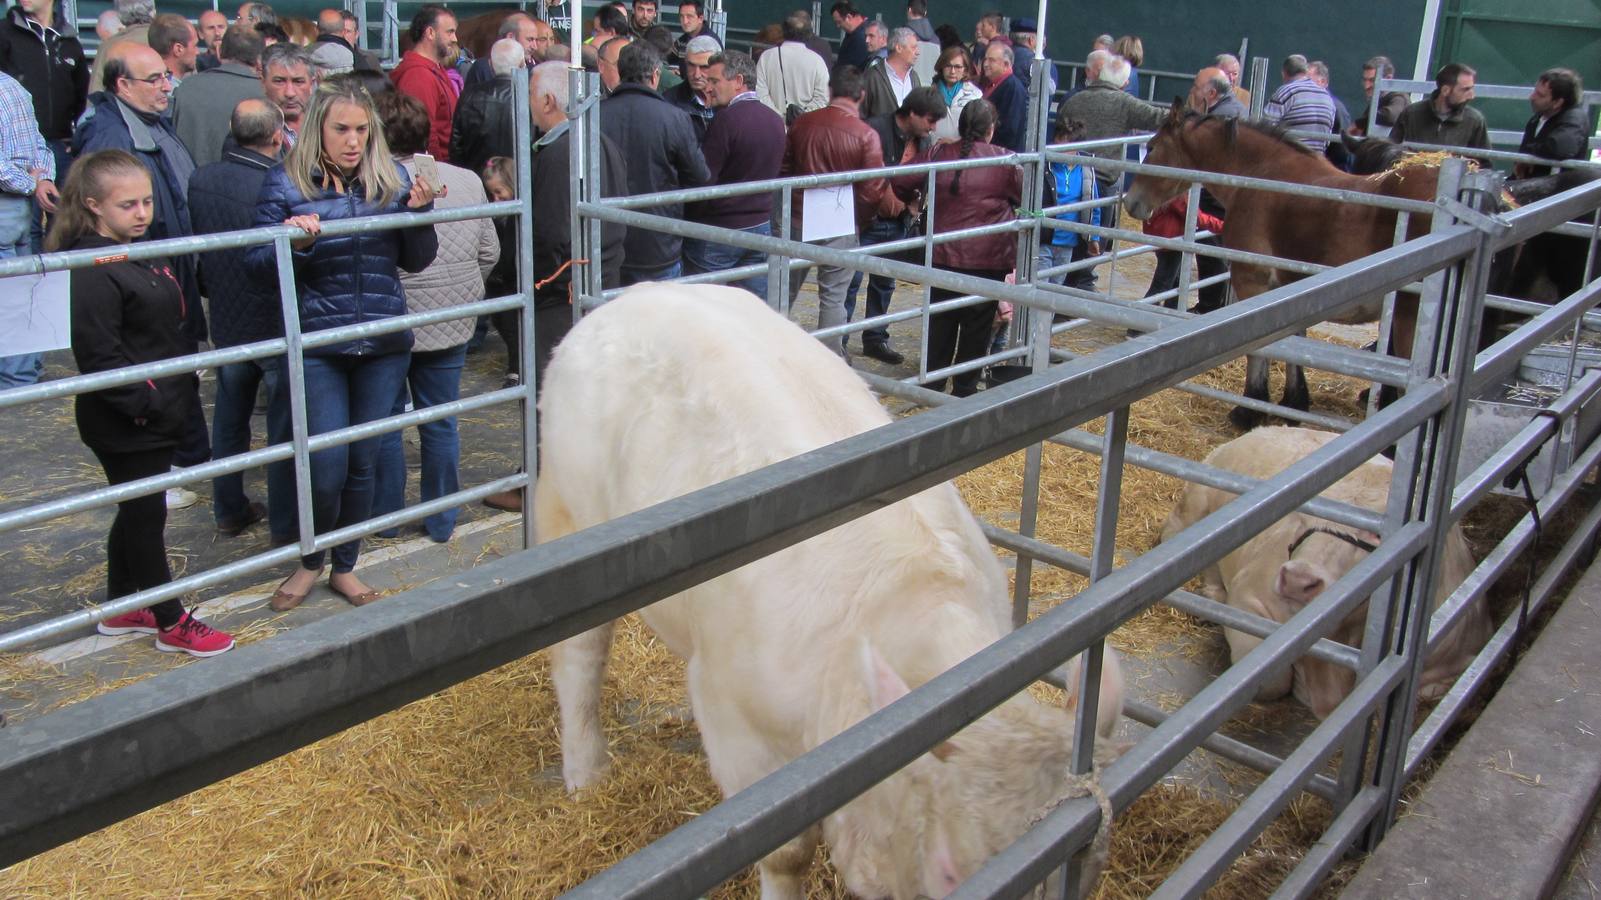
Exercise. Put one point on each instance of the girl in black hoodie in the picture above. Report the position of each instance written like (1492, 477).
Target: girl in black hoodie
(125, 313)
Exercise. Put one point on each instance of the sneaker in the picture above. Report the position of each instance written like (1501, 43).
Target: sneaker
(181, 498)
(883, 353)
(193, 637)
(140, 621)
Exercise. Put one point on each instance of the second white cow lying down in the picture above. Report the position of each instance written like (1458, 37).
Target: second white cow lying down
(1264, 578)
(672, 388)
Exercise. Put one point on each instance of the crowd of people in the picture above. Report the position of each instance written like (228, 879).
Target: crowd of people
(183, 128)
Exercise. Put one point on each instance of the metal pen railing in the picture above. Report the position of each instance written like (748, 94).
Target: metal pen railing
(292, 347)
(591, 577)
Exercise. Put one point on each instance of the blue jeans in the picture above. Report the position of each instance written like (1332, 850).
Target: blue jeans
(237, 384)
(880, 288)
(667, 273)
(343, 391)
(435, 378)
(705, 256)
(15, 212)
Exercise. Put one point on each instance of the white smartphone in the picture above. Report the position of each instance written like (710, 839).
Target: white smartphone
(427, 169)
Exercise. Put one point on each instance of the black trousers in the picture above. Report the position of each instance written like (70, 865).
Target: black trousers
(136, 548)
(509, 322)
(960, 335)
(1166, 278)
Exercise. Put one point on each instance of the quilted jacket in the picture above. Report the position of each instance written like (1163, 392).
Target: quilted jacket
(345, 279)
(467, 251)
(222, 197)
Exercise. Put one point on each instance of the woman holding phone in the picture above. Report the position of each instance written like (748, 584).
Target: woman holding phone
(341, 168)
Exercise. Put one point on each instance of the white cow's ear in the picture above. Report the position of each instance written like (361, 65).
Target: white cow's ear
(884, 684)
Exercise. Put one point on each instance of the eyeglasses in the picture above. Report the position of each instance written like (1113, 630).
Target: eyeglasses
(957, 66)
(155, 79)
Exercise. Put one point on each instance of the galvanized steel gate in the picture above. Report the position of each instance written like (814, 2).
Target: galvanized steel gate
(100, 760)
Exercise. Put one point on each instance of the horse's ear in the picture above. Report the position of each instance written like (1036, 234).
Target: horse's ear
(1175, 115)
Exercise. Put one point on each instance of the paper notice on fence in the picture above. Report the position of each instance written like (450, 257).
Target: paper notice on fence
(827, 212)
(34, 313)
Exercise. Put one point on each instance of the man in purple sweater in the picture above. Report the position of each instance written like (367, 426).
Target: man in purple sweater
(744, 142)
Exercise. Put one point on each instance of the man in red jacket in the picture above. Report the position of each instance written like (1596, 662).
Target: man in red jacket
(825, 141)
(421, 73)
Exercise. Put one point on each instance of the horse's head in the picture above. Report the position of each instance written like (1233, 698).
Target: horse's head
(1371, 155)
(1167, 148)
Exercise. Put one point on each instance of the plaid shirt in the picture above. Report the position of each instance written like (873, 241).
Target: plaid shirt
(22, 147)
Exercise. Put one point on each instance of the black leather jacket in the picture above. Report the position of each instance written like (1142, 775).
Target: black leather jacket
(483, 126)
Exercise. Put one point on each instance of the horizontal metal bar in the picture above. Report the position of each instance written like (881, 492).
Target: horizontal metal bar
(1591, 320)
(1335, 511)
(1305, 417)
(97, 381)
(38, 264)
(802, 182)
(1210, 860)
(1483, 91)
(267, 559)
(1223, 253)
(1381, 269)
(1503, 357)
(1359, 198)
(1228, 748)
(44, 512)
(1194, 604)
(1307, 877)
(1544, 215)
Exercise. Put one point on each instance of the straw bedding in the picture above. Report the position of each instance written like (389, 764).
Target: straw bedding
(460, 794)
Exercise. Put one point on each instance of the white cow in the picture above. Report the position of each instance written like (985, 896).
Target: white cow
(672, 388)
(1288, 564)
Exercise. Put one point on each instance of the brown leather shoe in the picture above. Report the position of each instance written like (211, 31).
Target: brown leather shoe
(283, 601)
(510, 501)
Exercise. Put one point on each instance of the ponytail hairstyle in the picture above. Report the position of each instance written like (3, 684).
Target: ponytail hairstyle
(978, 120)
(89, 177)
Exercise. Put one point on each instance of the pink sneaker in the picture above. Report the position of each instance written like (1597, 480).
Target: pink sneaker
(140, 621)
(193, 637)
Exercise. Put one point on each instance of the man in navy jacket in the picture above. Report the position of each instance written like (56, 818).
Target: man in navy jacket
(244, 309)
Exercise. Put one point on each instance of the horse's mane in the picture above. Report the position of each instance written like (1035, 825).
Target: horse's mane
(1232, 125)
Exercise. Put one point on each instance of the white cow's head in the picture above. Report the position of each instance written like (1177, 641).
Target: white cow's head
(1319, 556)
(932, 825)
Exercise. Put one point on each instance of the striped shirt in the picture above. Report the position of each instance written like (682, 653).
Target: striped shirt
(22, 147)
(1302, 105)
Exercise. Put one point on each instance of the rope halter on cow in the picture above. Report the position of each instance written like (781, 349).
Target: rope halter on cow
(1346, 536)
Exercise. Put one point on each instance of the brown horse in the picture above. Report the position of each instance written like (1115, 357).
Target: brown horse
(1308, 229)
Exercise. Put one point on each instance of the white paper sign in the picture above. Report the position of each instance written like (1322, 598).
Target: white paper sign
(34, 313)
(827, 212)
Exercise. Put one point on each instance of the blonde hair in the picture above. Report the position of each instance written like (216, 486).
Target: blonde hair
(502, 169)
(1130, 48)
(89, 177)
(377, 173)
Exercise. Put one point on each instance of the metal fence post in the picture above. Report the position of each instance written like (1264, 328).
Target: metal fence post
(1448, 329)
(1192, 214)
(294, 359)
(1028, 248)
(523, 144)
(594, 282)
(1258, 85)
